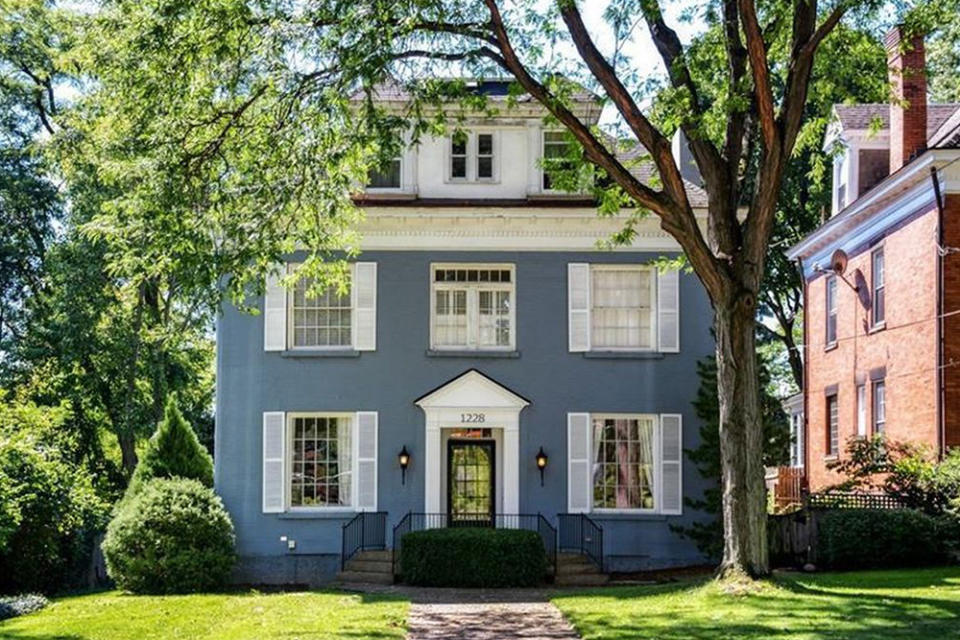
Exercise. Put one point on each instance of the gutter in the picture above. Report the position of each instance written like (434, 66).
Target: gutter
(941, 390)
(806, 381)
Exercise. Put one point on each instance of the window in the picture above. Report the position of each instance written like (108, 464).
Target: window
(321, 461)
(796, 439)
(878, 306)
(622, 307)
(472, 307)
(485, 156)
(841, 164)
(556, 147)
(833, 426)
(458, 157)
(879, 407)
(387, 177)
(831, 306)
(623, 465)
(861, 410)
(320, 321)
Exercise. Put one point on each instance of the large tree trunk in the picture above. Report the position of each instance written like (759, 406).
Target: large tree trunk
(741, 440)
(128, 451)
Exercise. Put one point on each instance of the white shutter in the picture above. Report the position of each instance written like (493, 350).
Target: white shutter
(274, 456)
(275, 313)
(364, 288)
(671, 463)
(578, 304)
(668, 310)
(578, 462)
(366, 467)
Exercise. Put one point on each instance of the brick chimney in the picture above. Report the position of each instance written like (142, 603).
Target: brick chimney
(906, 62)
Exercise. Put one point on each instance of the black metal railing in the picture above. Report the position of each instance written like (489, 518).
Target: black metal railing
(421, 521)
(367, 530)
(581, 534)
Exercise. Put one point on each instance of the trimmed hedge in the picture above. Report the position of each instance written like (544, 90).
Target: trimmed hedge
(174, 536)
(473, 557)
(883, 538)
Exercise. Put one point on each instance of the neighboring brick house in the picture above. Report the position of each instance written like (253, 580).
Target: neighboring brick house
(882, 276)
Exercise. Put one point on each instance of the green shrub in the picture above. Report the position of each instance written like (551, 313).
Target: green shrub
(172, 452)
(174, 536)
(21, 605)
(49, 516)
(473, 557)
(881, 538)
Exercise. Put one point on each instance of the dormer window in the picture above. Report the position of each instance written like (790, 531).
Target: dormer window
(473, 157)
(841, 172)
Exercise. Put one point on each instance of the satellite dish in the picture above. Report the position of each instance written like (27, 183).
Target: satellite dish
(838, 262)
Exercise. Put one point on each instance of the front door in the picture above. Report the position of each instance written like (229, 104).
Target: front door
(470, 482)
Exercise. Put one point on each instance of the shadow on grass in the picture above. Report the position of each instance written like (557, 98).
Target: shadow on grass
(849, 606)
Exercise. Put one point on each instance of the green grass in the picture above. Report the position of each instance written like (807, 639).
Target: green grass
(231, 616)
(877, 604)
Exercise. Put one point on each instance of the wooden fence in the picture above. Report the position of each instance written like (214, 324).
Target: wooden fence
(793, 536)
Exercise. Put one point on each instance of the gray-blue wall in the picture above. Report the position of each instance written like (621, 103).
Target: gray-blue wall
(251, 381)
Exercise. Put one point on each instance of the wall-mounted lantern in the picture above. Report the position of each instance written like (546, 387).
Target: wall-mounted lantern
(404, 459)
(541, 463)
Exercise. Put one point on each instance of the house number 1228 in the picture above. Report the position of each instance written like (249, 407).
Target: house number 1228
(473, 417)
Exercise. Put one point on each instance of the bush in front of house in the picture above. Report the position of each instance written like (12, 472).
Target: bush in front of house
(172, 452)
(883, 538)
(473, 557)
(21, 605)
(173, 536)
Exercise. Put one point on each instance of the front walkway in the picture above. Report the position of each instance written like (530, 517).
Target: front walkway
(482, 614)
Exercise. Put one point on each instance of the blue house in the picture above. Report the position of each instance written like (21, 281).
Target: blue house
(528, 377)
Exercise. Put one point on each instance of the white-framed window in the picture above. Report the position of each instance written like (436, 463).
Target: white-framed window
(472, 306)
(861, 410)
(387, 177)
(831, 311)
(473, 156)
(321, 321)
(623, 307)
(796, 439)
(879, 407)
(556, 148)
(841, 170)
(878, 305)
(624, 462)
(321, 460)
(833, 425)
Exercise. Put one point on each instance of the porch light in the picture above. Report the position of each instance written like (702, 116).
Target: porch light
(541, 463)
(404, 459)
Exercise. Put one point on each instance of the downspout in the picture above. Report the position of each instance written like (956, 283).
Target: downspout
(941, 417)
(806, 381)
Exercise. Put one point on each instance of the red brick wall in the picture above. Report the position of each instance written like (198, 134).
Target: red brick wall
(906, 347)
(951, 323)
(908, 114)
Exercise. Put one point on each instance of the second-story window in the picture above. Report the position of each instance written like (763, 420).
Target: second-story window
(622, 298)
(386, 177)
(458, 157)
(878, 306)
(833, 426)
(879, 407)
(472, 307)
(320, 321)
(831, 311)
(484, 156)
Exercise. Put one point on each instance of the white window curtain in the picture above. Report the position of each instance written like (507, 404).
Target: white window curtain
(622, 309)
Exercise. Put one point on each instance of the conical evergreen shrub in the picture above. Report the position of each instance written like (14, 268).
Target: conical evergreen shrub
(172, 452)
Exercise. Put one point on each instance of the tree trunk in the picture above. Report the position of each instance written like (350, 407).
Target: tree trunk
(128, 451)
(794, 358)
(741, 440)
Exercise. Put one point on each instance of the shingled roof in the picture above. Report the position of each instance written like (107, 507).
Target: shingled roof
(867, 116)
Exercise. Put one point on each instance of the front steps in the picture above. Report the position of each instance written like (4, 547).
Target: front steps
(577, 570)
(368, 567)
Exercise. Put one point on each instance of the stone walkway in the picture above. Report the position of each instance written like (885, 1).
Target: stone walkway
(480, 614)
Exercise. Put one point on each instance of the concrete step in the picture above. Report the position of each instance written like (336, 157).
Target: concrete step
(364, 565)
(579, 569)
(581, 580)
(383, 555)
(364, 577)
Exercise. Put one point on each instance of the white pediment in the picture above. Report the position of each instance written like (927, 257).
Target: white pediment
(472, 389)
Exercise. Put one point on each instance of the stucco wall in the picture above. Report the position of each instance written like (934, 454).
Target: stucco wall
(388, 380)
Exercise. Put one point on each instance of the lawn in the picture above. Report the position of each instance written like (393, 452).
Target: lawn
(237, 616)
(877, 604)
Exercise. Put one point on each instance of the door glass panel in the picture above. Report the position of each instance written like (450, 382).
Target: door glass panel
(470, 482)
